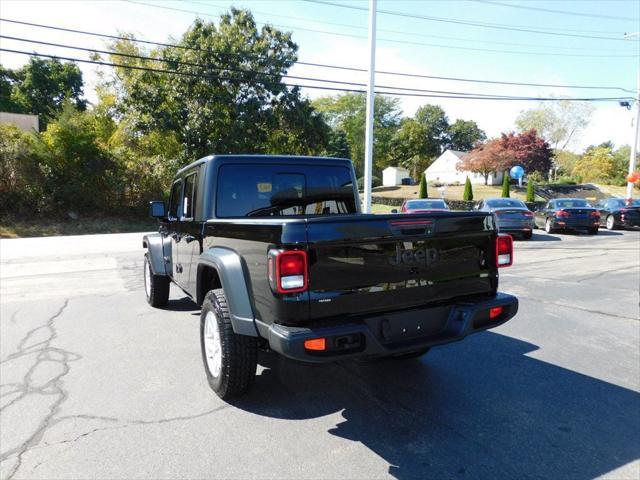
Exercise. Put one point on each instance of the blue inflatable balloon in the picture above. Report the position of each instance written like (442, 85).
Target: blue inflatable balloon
(516, 172)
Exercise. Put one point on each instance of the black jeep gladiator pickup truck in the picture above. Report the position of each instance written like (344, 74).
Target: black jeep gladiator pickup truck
(279, 256)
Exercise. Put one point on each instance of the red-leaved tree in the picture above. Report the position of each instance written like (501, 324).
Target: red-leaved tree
(526, 149)
(484, 158)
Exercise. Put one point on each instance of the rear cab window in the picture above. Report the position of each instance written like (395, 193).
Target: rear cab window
(246, 190)
(189, 196)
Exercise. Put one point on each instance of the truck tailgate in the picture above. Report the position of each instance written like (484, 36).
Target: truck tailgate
(362, 264)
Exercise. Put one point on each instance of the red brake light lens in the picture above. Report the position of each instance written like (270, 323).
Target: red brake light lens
(562, 213)
(504, 251)
(528, 214)
(287, 270)
(495, 312)
(595, 214)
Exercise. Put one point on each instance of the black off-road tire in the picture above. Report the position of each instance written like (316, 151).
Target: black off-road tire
(239, 352)
(157, 290)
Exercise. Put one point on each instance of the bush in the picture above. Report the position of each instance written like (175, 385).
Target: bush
(468, 191)
(423, 187)
(566, 180)
(531, 195)
(21, 180)
(505, 185)
(375, 182)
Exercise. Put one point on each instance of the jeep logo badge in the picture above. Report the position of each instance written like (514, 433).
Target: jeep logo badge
(420, 256)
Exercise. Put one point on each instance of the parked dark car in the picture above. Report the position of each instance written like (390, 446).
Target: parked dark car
(512, 215)
(424, 205)
(617, 213)
(279, 256)
(568, 214)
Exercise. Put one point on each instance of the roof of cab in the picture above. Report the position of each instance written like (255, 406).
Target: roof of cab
(263, 159)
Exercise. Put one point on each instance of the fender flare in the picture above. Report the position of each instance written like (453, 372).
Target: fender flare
(228, 264)
(154, 243)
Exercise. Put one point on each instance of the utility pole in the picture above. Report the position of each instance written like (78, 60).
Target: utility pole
(634, 145)
(368, 148)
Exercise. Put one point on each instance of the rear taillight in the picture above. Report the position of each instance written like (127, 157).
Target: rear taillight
(528, 214)
(287, 270)
(595, 214)
(504, 250)
(495, 312)
(562, 214)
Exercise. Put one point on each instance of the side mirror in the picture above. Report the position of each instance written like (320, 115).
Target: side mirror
(394, 210)
(157, 210)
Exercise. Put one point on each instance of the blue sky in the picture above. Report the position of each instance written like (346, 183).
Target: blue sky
(402, 46)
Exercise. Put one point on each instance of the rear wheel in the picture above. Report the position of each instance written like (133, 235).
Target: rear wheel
(611, 223)
(229, 359)
(527, 235)
(156, 287)
(548, 227)
(593, 231)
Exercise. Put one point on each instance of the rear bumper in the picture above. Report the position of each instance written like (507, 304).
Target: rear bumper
(578, 224)
(392, 333)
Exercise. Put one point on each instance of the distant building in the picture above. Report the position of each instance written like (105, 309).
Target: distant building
(392, 176)
(27, 123)
(445, 170)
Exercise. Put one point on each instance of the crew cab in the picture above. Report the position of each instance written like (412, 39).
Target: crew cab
(277, 253)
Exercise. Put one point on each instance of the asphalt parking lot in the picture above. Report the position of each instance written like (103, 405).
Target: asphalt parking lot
(97, 384)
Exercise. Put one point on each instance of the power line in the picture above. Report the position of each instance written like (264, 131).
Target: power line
(400, 32)
(319, 65)
(496, 26)
(390, 40)
(237, 80)
(245, 71)
(561, 12)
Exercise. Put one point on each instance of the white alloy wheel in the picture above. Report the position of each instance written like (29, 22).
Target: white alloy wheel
(212, 344)
(611, 222)
(547, 226)
(147, 278)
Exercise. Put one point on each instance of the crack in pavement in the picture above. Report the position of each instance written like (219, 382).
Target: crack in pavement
(45, 352)
(575, 307)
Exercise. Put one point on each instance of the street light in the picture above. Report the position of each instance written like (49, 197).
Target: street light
(634, 145)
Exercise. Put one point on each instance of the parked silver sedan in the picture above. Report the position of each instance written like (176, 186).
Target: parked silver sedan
(512, 215)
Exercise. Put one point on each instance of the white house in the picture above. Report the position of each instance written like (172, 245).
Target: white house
(392, 176)
(445, 170)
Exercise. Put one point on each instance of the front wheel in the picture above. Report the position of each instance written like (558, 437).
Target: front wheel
(611, 223)
(229, 359)
(548, 227)
(156, 287)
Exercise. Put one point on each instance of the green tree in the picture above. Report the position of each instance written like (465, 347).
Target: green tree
(464, 135)
(43, 86)
(467, 195)
(565, 161)
(347, 113)
(423, 187)
(597, 164)
(7, 81)
(338, 144)
(505, 185)
(531, 195)
(421, 139)
(229, 97)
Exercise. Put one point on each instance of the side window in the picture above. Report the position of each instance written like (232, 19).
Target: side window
(174, 200)
(189, 197)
